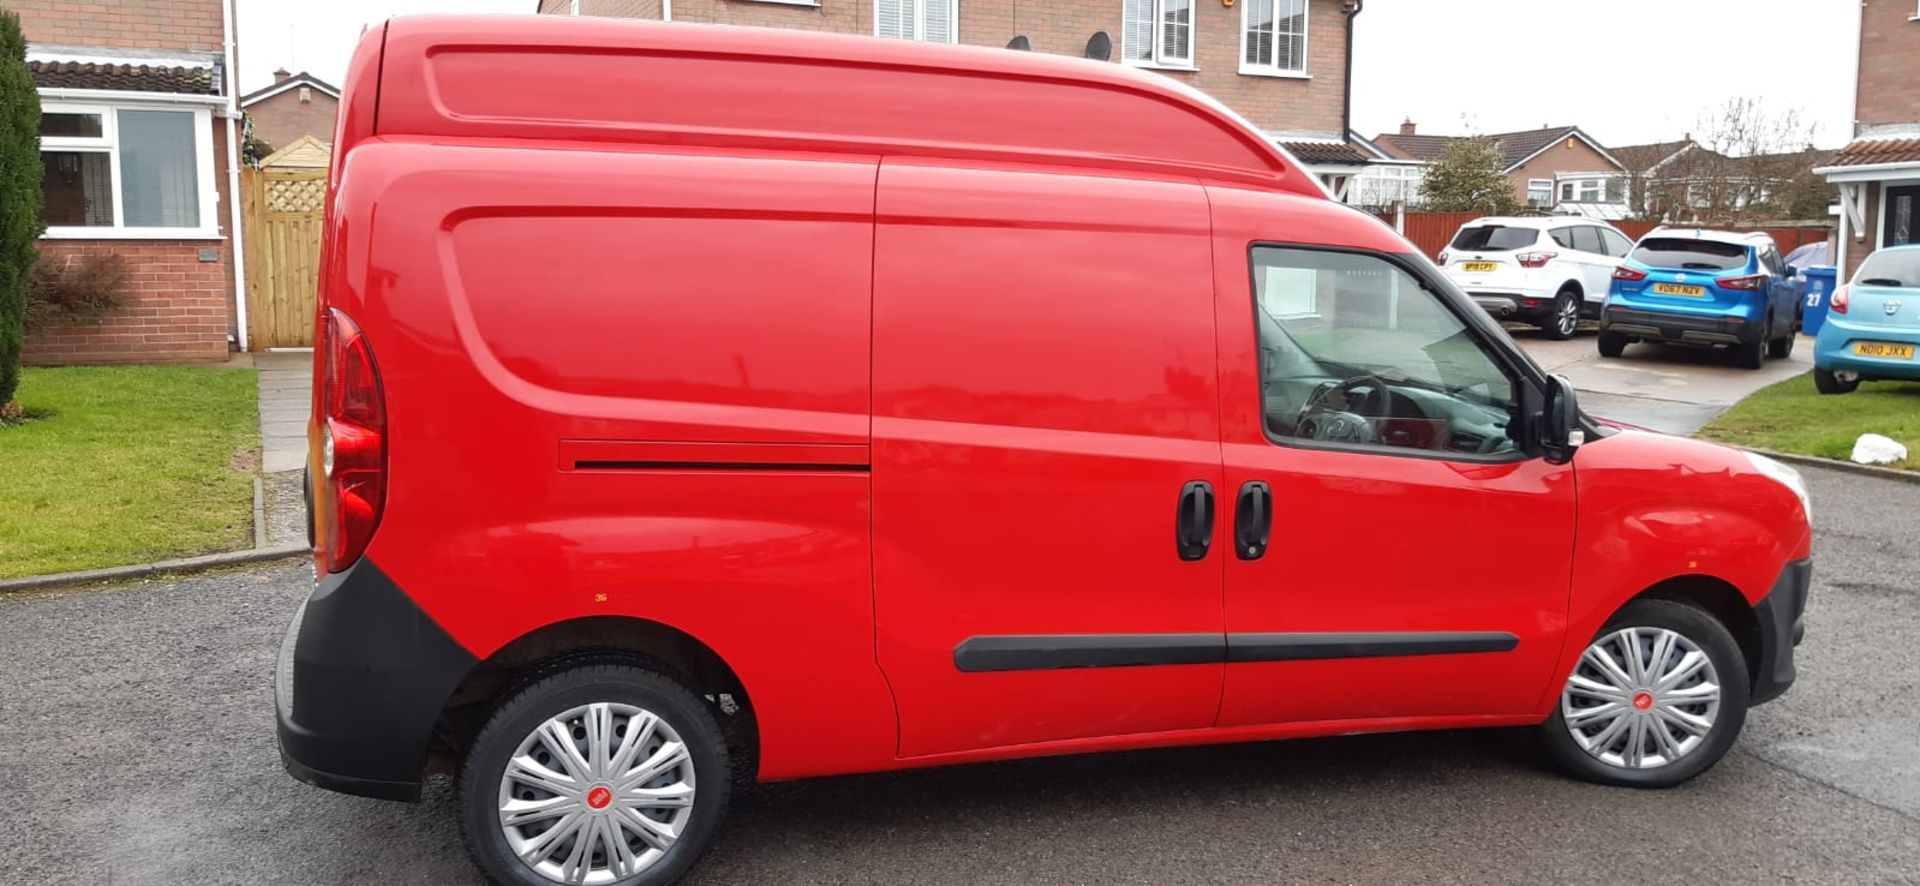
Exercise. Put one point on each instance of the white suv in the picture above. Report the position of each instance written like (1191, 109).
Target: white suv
(1546, 271)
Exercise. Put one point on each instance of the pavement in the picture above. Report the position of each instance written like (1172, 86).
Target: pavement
(140, 749)
(286, 386)
(1665, 388)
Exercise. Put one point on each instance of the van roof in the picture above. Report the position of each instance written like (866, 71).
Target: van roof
(609, 80)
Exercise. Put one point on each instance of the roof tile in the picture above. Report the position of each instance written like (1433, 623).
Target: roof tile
(1325, 152)
(129, 77)
(1866, 152)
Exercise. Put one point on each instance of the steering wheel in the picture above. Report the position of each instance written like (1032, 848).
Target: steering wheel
(1318, 422)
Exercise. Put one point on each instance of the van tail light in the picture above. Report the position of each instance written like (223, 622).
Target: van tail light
(1629, 274)
(352, 489)
(1838, 303)
(1535, 259)
(1749, 283)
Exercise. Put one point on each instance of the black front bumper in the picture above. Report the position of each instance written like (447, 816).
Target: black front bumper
(363, 676)
(1679, 328)
(1782, 618)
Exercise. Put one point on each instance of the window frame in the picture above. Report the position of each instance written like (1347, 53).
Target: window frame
(919, 19)
(108, 142)
(1528, 388)
(1157, 57)
(1530, 189)
(1269, 68)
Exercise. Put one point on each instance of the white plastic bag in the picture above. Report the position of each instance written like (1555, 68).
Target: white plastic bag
(1873, 449)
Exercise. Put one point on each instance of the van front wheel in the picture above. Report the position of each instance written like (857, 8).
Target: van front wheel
(1657, 697)
(606, 772)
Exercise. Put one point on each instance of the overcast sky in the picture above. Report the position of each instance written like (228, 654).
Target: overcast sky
(1628, 71)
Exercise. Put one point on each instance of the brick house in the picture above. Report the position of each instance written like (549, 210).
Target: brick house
(295, 105)
(137, 141)
(1878, 173)
(1281, 64)
(1560, 168)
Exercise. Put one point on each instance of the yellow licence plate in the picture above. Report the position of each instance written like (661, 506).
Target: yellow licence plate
(1677, 289)
(1883, 349)
(1479, 267)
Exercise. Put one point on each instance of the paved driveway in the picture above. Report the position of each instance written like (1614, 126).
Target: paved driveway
(138, 748)
(1670, 389)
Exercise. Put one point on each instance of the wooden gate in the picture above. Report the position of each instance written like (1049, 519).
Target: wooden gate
(282, 206)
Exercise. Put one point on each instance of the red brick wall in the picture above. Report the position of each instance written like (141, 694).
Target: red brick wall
(1889, 73)
(280, 120)
(176, 308)
(1314, 104)
(127, 24)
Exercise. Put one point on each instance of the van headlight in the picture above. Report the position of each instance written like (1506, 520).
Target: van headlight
(1786, 476)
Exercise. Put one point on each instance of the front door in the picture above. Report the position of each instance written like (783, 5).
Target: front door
(1902, 212)
(1417, 564)
(1044, 403)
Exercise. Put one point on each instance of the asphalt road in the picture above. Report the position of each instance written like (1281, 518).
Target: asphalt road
(138, 748)
(1672, 389)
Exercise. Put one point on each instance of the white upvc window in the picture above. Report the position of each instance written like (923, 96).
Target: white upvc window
(127, 171)
(1157, 33)
(1539, 192)
(933, 21)
(1273, 38)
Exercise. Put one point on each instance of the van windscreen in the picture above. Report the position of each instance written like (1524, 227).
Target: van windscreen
(1494, 238)
(1687, 254)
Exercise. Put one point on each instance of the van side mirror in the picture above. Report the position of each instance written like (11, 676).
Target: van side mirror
(1564, 432)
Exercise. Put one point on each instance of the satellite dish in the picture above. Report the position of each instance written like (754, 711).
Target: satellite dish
(1021, 43)
(1100, 46)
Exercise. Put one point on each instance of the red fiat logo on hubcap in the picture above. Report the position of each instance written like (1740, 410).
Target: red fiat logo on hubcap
(1642, 701)
(598, 798)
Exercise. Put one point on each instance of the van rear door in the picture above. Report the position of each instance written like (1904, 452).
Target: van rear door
(1043, 402)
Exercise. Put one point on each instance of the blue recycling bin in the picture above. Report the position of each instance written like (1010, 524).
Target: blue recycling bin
(1813, 307)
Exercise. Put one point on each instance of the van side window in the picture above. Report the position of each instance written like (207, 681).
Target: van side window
(1356, 351)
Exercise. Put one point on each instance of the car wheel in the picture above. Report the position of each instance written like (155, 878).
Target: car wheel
(1612, 344)
(606, 772)
(1827, 381)
(1565, 319)
(1781, 348)
(1657, 697)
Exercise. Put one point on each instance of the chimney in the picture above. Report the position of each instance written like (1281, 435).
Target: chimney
(1407, 127)
(280, 76)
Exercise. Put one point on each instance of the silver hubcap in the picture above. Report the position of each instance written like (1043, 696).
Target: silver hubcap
(1569, 316)
(596, 794)
(1641, 698)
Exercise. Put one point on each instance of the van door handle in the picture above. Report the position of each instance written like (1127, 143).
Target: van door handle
(1252, 520)
(1193, 520)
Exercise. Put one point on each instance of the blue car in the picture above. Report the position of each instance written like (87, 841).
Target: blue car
(1698, 287)
(1873, 324)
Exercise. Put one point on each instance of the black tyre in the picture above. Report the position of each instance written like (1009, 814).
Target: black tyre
(1564, 320)
(1658, 697)
(1781, 348)
(614, 766)
(1827, 381)
(1754, 355)
(1612, 344)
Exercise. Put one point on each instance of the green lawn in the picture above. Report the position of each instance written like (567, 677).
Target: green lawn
(1792, 417)
(128, 464)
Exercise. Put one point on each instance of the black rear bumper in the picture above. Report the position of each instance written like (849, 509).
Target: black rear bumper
(363, 676)
(1679, 328)
(1782, 618)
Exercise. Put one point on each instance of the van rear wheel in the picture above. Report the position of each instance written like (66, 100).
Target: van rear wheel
(606, 772)
(1658, 697)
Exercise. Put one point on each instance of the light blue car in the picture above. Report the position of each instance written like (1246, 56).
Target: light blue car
(1873, 327)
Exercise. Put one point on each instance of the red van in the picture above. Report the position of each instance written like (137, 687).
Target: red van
(699, 403)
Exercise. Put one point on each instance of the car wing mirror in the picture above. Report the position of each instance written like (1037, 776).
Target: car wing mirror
(1565, 431)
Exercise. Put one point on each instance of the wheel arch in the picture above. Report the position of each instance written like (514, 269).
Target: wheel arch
(562, 644)
(1720, 599)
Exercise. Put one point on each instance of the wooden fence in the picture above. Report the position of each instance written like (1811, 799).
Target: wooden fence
(1432, 231)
